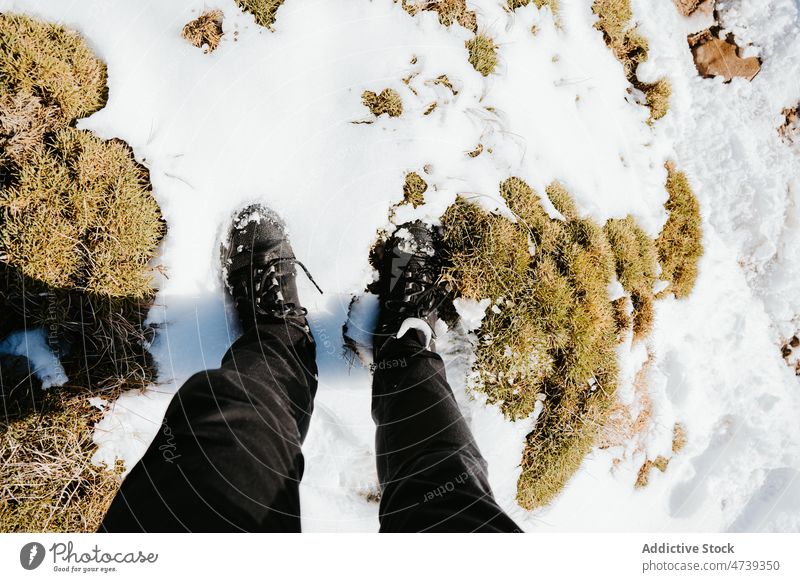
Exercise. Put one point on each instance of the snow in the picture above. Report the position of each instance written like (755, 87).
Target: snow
(269, 117)
(33, 345)
(471, 312)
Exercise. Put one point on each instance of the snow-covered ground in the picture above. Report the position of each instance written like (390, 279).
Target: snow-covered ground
(269, 116)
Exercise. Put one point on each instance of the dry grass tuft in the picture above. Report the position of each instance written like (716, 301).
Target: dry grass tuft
(551, 333)
(80, 214)
(482, 54)
(643, 478)
(657, 95)
(47, 480)
(205, 30)
(52, 64)
(478, 150)
(636, 261)
(679, 437)
(789, 128)
(680, 244)
(388, 102)
(449, 11)
(552, 4)
(630, 48)
(628, 423)
(78, 225)
(627, 44)
(264, 11)
(687, 7)
(444, 81)
(24, 121)
(414, 189)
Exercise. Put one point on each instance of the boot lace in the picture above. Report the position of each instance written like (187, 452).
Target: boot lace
(267, 289)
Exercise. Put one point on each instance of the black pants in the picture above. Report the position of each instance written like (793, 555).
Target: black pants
(228, 458)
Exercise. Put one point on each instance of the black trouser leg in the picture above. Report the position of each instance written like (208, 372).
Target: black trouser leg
(433, 477)
(227, 456)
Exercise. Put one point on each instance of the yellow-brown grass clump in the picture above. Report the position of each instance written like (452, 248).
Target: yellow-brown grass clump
(550, 335)
(414, 189)
(643, 478)
(482, 54)
(547, 343)
(680, 244)
(205, 30)
(631, 48)
(449, 11)
(636, 263)
(386, 102)
(52, 64)
(47, 480)
(679, 437)
(552, 4)
(657, 96)
(80, 214)
(78, 226)
(264, 11)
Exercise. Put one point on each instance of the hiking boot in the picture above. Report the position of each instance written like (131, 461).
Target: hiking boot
(260, 271)
(410, 286)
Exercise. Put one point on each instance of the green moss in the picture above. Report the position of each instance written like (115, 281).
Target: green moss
(482, 54)
(264, 11)
(680, 244)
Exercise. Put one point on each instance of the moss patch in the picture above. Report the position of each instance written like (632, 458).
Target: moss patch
(386, 102)
(264, 11)
(449, 11)
(680, 244)
(482, 54)
(205, 30)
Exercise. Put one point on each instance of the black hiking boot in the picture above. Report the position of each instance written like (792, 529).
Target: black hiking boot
(260, 271)
(410, 284)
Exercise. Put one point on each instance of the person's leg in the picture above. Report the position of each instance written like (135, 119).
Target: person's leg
(432, 475)
(227, 456)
